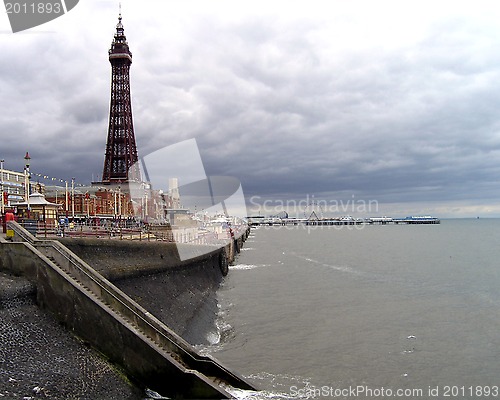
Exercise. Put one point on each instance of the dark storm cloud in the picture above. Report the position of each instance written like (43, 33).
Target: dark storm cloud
(392, 102)
(412, 123)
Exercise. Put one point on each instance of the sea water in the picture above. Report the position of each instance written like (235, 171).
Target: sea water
(406, 311)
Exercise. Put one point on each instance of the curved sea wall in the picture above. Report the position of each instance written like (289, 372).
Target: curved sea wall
(119, 259)
(182, 294)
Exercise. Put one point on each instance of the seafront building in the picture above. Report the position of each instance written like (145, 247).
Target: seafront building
(39, 209)
(15, 186)
(90, 201)
(12, 186)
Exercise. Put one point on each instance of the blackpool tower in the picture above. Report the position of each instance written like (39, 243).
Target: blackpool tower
(121, 150)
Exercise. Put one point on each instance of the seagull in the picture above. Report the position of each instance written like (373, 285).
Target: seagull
(411, 337)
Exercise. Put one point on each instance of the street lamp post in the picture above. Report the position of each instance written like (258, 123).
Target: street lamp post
(27, 159)
(66, 200)
(119, 201)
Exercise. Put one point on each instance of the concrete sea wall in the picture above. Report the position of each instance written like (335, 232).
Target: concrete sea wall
(182, 294)
(127, 333)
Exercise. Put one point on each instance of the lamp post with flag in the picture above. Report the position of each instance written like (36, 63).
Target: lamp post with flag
(27, 159)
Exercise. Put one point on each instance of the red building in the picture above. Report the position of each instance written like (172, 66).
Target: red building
(100, 202)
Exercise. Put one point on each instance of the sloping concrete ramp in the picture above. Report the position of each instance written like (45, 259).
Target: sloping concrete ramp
(99, 313)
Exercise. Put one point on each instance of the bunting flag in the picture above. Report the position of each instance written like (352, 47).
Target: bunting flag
(46, 177)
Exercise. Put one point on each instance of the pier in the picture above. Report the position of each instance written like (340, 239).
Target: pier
(347, 221)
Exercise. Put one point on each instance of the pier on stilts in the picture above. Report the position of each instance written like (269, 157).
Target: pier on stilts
(275, 221)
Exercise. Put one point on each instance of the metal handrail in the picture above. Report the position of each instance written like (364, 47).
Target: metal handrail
(143, 319)
(21, 231)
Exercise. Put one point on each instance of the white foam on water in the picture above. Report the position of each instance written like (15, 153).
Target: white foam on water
(213, 337)
(280, 387)
(241, 394)
(339, 268)
(152, 395)
(216, 339)
(246, 266)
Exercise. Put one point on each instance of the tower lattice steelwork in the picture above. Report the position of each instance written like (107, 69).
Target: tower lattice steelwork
(121, 150)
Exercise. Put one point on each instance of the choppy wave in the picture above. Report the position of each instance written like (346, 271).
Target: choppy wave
(152, 395)
(258, 395)
(280, 383)
(279, 393)
(218, 337)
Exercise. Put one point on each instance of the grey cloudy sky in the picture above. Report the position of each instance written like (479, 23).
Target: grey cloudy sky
(393, 101)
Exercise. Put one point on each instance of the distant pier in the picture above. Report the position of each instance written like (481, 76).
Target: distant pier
(276, 221)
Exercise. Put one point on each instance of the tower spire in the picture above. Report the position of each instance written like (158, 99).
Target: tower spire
(119, 16)
(121, 150)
